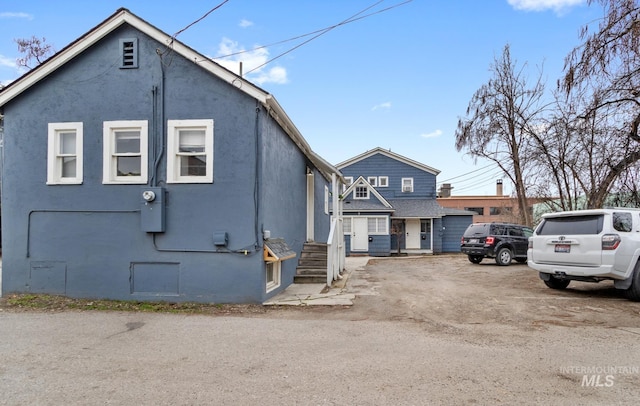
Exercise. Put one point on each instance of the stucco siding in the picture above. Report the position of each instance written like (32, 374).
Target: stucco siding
(92, 232)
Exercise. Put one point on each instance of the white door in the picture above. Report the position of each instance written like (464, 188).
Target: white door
(359, 234)
(413, 234)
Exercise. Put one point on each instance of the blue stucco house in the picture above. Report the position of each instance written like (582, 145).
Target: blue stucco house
(389, 207)
(136, 168)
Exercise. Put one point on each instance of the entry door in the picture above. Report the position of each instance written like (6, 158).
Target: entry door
(359, 234)
(413, 234)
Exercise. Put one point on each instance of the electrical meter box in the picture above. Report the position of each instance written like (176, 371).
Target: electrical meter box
(152, 208)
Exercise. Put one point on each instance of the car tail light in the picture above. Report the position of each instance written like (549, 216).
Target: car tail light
(489, 240)
(530, 244)
(462, 240)
(610, 241)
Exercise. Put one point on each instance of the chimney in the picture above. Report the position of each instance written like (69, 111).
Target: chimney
(499, 187)
(445, 190)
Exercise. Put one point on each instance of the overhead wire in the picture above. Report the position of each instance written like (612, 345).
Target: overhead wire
(321, 32)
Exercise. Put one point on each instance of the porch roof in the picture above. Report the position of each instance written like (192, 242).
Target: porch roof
(417, 208)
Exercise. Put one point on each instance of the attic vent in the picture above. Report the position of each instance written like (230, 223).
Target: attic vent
(129, 53)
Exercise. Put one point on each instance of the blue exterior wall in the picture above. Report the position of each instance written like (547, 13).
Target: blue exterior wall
(86, 240)
(379, 245)
(438, 234)
(454, 227)
(424, 183)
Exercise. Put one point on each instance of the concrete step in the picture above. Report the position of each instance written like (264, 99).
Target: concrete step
(310, 279)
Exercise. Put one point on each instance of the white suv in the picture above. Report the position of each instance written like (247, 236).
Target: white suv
(588, 246)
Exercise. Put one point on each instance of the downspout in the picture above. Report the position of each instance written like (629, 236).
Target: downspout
(257, 178)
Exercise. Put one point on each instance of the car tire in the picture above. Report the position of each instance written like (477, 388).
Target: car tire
(504, 256)
(555, 283)
(521, 260)
(475, 259)
(633, 293)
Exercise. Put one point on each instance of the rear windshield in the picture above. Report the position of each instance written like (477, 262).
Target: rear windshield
(572, 225)
(477, 229)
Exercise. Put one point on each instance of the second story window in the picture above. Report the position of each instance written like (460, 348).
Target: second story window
(383, 181)
(361, 192)
(407, 185)
(373, 181)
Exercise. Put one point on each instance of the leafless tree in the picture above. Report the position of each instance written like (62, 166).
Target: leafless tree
(34, 49)
(499, 120)
(607, 68)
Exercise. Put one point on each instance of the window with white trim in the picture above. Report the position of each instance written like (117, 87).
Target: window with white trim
(125, 152)
(273, 273)
(407, 184)
(378, 225)
(190, 151)
(383, 181)
(361, 192)
(346, 225)
(373, 181)
(64, 155)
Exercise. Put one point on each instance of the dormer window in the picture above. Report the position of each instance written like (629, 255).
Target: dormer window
(129, 53)
(361, 192)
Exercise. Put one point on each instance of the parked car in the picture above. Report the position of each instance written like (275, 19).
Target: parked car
(502, 241)
(588, 246)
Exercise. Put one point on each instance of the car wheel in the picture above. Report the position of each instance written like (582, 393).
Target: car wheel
(521, 260)
(504, 257)
(476, 259)
(633, 293)
(555, 283)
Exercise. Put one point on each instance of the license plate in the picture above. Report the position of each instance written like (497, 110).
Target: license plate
(563, 248)
(473, 241)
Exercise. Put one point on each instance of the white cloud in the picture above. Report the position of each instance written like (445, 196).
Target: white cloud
(385, 105)
(245, 23)
(541, 5)
(7, 14)
(434, 134)
(252, 63)
(7, 62)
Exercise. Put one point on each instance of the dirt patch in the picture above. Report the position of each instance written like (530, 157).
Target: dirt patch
(450, 292)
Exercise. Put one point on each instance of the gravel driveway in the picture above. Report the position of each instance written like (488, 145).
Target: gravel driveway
(424, 330)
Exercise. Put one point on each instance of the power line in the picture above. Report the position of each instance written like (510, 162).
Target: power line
(199, 19)
(468, 173)
(323, 31)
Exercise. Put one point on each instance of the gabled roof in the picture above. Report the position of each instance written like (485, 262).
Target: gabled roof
(380, 203)
(391, 155)
(124, 16)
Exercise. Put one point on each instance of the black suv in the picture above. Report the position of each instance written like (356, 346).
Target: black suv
(501, 241)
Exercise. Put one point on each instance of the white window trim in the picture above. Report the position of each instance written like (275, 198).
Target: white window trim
(410, 185)
(109, 175)
(355, 194)
(373, 181)
(54, 171)
(345, 221)
(277, 275)
(383, 181)
(173, 166)
(384, 230)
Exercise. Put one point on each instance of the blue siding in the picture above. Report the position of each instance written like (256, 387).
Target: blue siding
(454, 227)
(424, 183)
(379, 245)
(89, 236)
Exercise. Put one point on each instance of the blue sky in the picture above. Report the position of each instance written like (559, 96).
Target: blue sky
(398, 79)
